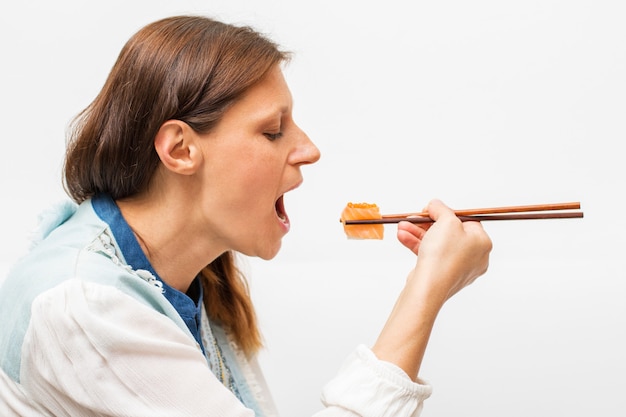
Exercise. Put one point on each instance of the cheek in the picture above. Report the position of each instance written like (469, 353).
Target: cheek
(250, 188)
(248, 182)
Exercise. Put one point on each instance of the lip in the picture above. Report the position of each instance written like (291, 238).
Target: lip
(293, 187)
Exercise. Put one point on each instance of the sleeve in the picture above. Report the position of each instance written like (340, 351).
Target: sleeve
(93, 350)
(368, 387)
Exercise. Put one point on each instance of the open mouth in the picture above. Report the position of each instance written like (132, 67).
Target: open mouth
(279, 206)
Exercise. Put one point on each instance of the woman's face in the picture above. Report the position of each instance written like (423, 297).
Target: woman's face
(253, 157)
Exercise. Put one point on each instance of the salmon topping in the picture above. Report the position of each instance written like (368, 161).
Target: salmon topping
(362, 211)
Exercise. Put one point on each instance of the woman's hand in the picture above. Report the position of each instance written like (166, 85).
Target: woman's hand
(451, 255)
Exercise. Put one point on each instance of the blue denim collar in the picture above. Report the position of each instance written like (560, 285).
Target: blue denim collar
(188, 308)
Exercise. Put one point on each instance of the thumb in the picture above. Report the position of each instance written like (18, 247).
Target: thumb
(437, 209)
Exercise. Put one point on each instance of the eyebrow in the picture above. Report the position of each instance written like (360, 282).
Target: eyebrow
(271, 112)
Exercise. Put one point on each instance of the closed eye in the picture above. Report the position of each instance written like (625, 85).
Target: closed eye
(274, 136)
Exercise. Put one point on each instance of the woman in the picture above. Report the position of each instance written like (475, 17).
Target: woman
(131, 304)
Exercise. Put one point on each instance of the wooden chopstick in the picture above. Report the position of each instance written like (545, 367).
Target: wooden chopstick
(495, 210)
(475, 218)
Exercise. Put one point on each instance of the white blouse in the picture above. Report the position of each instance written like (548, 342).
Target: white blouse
(91, 350)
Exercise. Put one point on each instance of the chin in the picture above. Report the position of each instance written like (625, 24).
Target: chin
(266, 252)
(269, 254)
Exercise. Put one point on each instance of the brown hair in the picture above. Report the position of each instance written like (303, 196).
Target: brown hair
(189, 68)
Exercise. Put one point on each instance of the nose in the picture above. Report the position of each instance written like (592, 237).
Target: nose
(306, 152)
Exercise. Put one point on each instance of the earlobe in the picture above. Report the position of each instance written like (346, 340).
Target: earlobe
(175, 143)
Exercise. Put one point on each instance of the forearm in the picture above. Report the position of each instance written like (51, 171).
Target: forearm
(451, 255)
(405, 335)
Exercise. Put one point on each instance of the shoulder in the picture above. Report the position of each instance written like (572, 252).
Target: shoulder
(77, 253)
(74, 243)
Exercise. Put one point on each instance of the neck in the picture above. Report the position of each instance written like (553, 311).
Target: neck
(172, 242)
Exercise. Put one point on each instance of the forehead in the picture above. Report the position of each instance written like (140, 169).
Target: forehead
(270, 95)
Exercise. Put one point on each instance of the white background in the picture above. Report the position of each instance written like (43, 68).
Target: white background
(479, 103)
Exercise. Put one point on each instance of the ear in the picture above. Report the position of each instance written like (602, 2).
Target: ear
(177, 146)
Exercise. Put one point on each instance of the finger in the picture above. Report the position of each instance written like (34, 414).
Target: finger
(409, 241)
(419, 230)
(410, 235)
